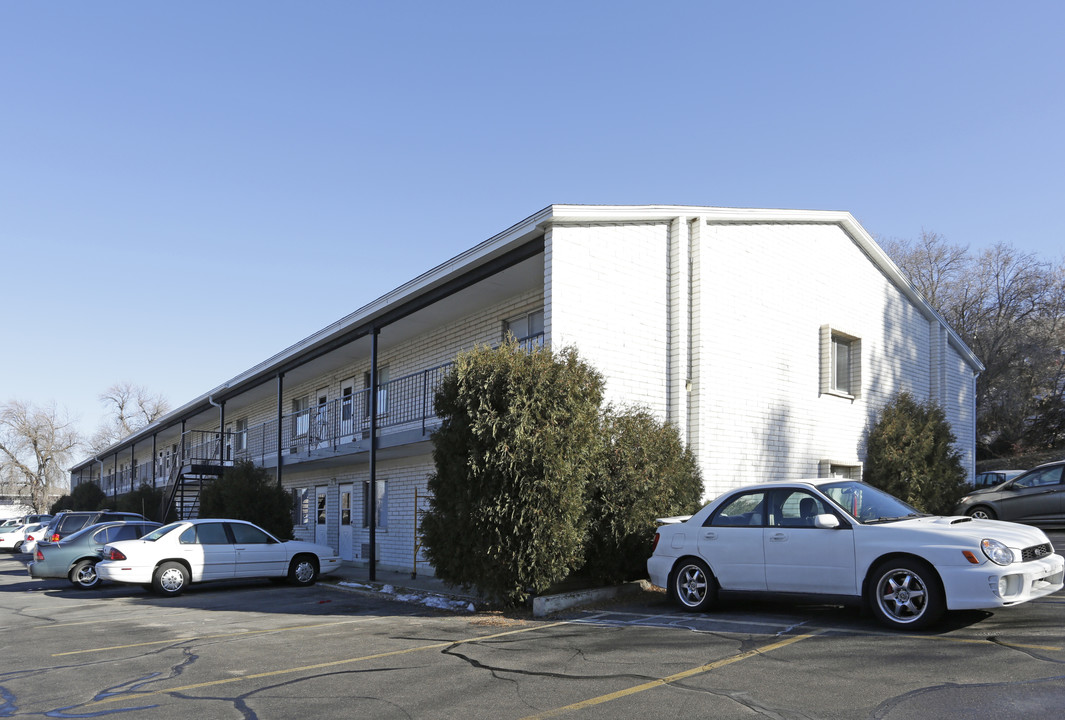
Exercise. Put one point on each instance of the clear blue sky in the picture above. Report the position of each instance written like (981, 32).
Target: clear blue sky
(188, 187)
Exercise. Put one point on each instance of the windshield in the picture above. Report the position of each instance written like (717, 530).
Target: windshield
(867, 504)
(160, 532)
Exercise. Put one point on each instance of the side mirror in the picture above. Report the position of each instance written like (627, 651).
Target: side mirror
(827, 521)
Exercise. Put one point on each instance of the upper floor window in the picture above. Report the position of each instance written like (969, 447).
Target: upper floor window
(841, 363)
(529, 326)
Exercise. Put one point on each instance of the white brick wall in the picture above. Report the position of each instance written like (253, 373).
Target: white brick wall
(759, 295)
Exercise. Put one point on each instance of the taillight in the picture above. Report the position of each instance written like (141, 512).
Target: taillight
(654, 543)
(55, 537)
(39, 555)
(29, 538)
(115, 554)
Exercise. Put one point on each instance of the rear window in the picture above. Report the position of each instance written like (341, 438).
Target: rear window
(71, 524)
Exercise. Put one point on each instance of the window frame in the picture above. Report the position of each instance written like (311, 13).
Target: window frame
(831, 339)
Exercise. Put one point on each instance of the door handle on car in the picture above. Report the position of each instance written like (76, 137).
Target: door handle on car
(710, 535)
(778, 537)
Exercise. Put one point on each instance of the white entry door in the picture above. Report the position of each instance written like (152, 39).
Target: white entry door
(321, 520)
(346, 540)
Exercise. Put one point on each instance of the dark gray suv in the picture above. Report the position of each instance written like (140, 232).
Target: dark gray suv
(70, 521)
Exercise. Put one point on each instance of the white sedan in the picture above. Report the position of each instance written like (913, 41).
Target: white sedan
(192, 551)
(846, 541)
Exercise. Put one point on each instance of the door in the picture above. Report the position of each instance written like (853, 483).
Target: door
(257, 554)
(731, 542)
(208, 550)
(802, 558)
(321, 520)
(346, 539)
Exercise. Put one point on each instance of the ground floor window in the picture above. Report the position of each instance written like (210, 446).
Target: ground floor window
(301, 506)
(382, 504)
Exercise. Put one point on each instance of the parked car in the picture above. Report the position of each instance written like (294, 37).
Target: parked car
(14, 536)
(846, 541)
(192, 551)
(1036, 497)
(991, 478)
(75, 556)
(70, 521)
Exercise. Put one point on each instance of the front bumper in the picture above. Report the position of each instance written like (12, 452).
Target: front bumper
(989, 585)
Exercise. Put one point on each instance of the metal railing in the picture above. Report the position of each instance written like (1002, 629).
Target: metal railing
(406, 403)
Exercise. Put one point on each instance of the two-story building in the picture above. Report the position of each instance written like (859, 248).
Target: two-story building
(770, 338)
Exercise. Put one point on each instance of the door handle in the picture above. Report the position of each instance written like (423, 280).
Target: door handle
(778, 537)
(710, 535)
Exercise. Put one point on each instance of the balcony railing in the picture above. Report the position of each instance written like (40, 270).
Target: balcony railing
(406, 403)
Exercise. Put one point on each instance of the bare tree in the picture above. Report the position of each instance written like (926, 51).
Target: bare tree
(1009, 307)
(129, 407)
(36, 444)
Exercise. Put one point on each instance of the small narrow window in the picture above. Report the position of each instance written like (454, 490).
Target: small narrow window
(841, 363)
(382, 504)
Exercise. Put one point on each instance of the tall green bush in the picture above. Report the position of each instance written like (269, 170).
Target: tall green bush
(910, 454)
(248, 492)
(644, 472)
(513, 454)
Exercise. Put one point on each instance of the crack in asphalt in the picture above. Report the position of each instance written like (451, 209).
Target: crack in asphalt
(885, 708)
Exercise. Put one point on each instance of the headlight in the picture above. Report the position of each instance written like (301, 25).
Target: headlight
(996, 552)
(964, 500)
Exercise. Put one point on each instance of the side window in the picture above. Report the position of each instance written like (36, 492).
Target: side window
(797, 508)
(126, 532)
(208, 534)
(1038, 478)
(248, 534)
(746, 509)
(103, 536)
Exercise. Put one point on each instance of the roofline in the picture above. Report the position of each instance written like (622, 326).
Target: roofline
(509, 240)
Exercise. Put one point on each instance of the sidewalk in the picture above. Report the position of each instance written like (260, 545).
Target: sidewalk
(431, 591)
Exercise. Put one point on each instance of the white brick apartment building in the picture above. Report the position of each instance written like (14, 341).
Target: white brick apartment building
(771, 338)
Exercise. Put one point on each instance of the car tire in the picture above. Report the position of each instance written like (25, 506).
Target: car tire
(18, 546)
(170, 578)
(905, 594)
(83, 574)
(693, 585)
(982, 512)
(303, 570)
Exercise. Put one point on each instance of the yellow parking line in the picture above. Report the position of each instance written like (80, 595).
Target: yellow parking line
(135, 696)
(671, 678)
(208, 637)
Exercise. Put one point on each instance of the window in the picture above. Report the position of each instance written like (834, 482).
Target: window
(841, 363)
(301, 506)
(836, 468)
(744, 509)
(527, 329)
(301, 416)
(382, 391)
(249, 534)
(240, 439)
(796, 509)
(382, 504)
(321, 508)
(205, 534)
(345, 508)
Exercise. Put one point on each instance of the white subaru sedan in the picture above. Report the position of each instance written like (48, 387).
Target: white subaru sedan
(846, 541)
(192, 551)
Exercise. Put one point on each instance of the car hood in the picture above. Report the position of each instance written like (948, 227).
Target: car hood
(960, 526)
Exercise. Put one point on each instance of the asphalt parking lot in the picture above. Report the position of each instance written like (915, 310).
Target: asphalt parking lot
(259, 650)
